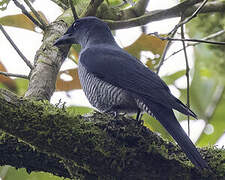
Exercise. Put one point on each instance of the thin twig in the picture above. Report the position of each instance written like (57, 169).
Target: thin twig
(16, 48)
(162, 59)
(75, 16)
(14, 75)
(214, 35)
(24, 11)
(187, 75)
(158, 15)
(191, 17)
(192, 40)
(36, 13)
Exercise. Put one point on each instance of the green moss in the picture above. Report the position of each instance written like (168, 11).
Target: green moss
(99, 144)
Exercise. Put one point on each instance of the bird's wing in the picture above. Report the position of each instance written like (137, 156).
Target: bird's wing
(117, 67)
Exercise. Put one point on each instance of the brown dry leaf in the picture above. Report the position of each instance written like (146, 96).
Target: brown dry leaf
(147, 43)
(21, 21)
(62, 85)
(7, 81)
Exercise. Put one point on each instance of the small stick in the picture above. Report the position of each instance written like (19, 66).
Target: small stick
(16, 48)
(162, 59)
(75, 16)
(14, 75)
(187, 75)
(24, 11)
(192, 40)
(191, 17)
(211, 36)
(36, 13)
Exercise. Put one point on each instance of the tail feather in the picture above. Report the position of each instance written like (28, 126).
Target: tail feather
(167, 118)
(183, 109)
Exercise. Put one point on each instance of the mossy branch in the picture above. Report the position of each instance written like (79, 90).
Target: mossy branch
(99, 146)
(19, 154)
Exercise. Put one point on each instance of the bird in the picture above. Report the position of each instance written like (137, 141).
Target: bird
(114, 81)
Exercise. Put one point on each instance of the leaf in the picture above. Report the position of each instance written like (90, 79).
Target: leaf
(173, 77)
(74, 83)
(155, 126)
(7, 81)
(4, 4)
(74, 52)
(78, 110)
(22, 86)
(21, 174)
(203, 89)
(21, 21)
(147, 43)
(216, 125)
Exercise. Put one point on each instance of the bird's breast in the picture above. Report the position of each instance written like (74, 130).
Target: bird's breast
(105, 96)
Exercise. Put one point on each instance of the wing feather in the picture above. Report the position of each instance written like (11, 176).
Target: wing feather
(115, 66)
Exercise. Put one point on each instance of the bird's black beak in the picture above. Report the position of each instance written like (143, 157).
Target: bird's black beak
(65, 39)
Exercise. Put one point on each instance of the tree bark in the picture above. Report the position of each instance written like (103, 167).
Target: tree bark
(95, 147)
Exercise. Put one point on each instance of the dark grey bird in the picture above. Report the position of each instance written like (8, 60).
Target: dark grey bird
(115, 81)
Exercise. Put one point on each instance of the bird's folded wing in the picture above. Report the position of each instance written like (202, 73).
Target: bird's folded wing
(120, 69)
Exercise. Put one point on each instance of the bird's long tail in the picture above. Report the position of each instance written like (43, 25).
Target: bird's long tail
(167, 118)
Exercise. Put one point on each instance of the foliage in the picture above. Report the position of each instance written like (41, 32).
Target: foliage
(4, 4)
(9, 173)
(207, 86)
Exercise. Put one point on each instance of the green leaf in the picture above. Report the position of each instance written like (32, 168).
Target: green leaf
(78, 110)
(4, 4)
(173, 77)
(204, 89)
(155, 126)
(21, 174)
(22, 85)
(217, 124)
(20, 21)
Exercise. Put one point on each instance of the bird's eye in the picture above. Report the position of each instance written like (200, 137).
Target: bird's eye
(75, 24)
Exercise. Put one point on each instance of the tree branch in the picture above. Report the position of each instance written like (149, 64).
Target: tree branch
(24, 11)
(75, 16)
(47, 63)
(14, 75)
(190, 40)
(36, 14)
(195, 13)
(140, 7)
(162, 59)
(175, 11)
(187, 73)
(92, 8)
(18, 154)
(16, 48)
(211, 36)
(100, 146)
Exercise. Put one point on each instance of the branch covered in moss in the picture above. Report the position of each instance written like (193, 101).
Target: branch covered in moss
(100, 146)
(19, 154)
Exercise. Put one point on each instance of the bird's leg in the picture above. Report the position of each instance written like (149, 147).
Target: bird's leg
(113, 113)
(139, 116)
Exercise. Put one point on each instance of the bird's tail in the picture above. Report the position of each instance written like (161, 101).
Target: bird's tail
(167, 118)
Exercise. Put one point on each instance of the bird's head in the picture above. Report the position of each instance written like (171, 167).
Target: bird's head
(85, 30)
